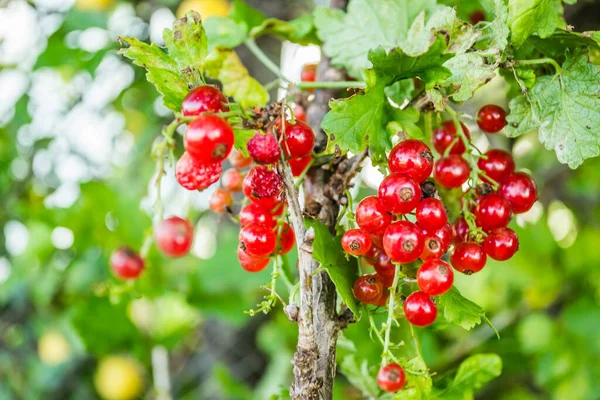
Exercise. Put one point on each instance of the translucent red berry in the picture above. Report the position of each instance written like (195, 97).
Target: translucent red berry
(451, 171)
(220, 201)
(174, 236)
(356, 242)
(468, 258)
(286, 240)
(368, 289)
(403, 242)
(445, 136)
(371, 216)
(497, 165)
(384, 266)
(236, 159)
(232, 180)
(203, 99)
(264, 149)
(433, 246)
(309, 73)
(194, 175)
(419, 309)
(460, 230)
(298, 165)
(492, 211)
(501, 244)
(208, 138)
(435, 277)
(391, 377)
(261, 183)
(520, 191)
(299, 139)
(491, 118)
(252, 264)
(257, 241)
(431, 214)
(413, 158)
(256, 214)
(399, 193)
(299, 113)
(126, 263)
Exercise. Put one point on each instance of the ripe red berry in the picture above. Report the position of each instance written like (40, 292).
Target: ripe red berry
(460, 230)
(403, 242)
(264, 149)
(309, 73)
(256, 214)
(444, 234)
(445, 136)
(468, 258)
(497, 165)
(385, 295)
(237, 160)
(371, 216)
(356, 242)
(413, 158)
(491, 118)
(208, 138)
(431, 214)
(257, 241)
(261, 183)
(286, 240)
(371, 256)
(391, 377)
(126, 263)
(252, 264)
(435, 277)
(451, 171)
(174, 236)
(433, 246)
(419, 309)
(220, 201)
(299, 139)
(368, 289)
(399, 193)
(203, 99)
(232, 180)
(194, 175)
(298, 165)
(501, 244)
(299, 113)
(492, 212)
(520, 191)
(384, 266)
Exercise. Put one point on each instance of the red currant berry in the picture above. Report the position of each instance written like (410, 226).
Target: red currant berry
(298, 165)
(299, 113)
(445, 136)
(444, 234)
(309, 73)
(384, 266)
(264, 149)
(371, 256)
(236, 159)
(356, 242)
(491, 118)
(520, 191)
(194, 175)
(252, 264)
(451, 171)
(501, 244)
(419, 309)
(413, 158)
(492, 212)
(377, 241)
(262, 182)
(391, 378)
(433, 247)
(174, 236)
(126, 263)
(468, 258)
(232, 180)
(476, 17)
(431, 214)
(220, 201)
(435, 277)
(385, 295)
(258, 241)
(286, 240)
(256, 214)
(208, 138)
(497, 165)
(403, 242)
(368, 289)
(460, 230)
(299, 139)
(371, 216)
(399, 194)
(203, 99)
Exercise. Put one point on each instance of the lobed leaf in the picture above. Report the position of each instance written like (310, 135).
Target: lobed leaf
(528, 17)
(300, 30)
(458, 310)
(472, 374)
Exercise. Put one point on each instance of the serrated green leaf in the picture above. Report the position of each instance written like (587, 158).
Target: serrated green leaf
(472, 374)
(224, 32)
(458, 310)
(242, 136)
(469, 71)
(560, 41)
(187, 45)
(162, 70)
(246, 15)
(401, 91)
(300, 30)
(528, 17)
(499, 27)
(225, 65)
(359, 376)
(418, 386)
(565, 109)
(405, 121)
(328, 251)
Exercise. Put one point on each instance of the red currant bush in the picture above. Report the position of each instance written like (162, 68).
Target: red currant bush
(497, 165)
(399, 194)
(256, 214)
(126, 263)
(491, 118)
(451, 171)
(257, 241)
(492, 212)
(435, 277)
(299, 139)
(403, 242)
(174, 236)
(368, 289)
(445, 137)
(391, 377)
(372, 216)
(519, 189)
(264, 149)
(356, 242)
(220, 201)
(208, 139)
(468, 258)
(419, 309)
(194, 175)
(252, 264)
(413, 158)
(501, 244)
(203, 99)
(431, 214)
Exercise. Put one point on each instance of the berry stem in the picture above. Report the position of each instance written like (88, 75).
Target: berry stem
(390, 318)
(332, 85)
(536, 61)
(264, 59)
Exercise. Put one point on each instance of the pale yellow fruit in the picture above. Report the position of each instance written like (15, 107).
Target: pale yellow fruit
(206, 8)
(53, 348)
(118, 378)
(93, 5)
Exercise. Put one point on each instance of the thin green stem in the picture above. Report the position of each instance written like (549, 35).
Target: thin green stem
(302, 175)
(332, 85)
(390, 317)
(536, 61)
(264, 59)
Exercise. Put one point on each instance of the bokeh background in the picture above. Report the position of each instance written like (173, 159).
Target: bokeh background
(77, 122)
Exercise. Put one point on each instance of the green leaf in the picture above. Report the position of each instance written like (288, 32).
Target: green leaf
(528, 17)
(565, 109)
(300, 30)
(359, 376)
(499, 27)
(560, 41)
(400, 92)
(245, 15)
(187, 45)
(242, 136)
(224, 32)
(328, 251)
(460, 311)
(162, 70)
(405, 121)
(469, 71)
(418, 386)
(437, 99)
(225, 65)
(472, 374)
